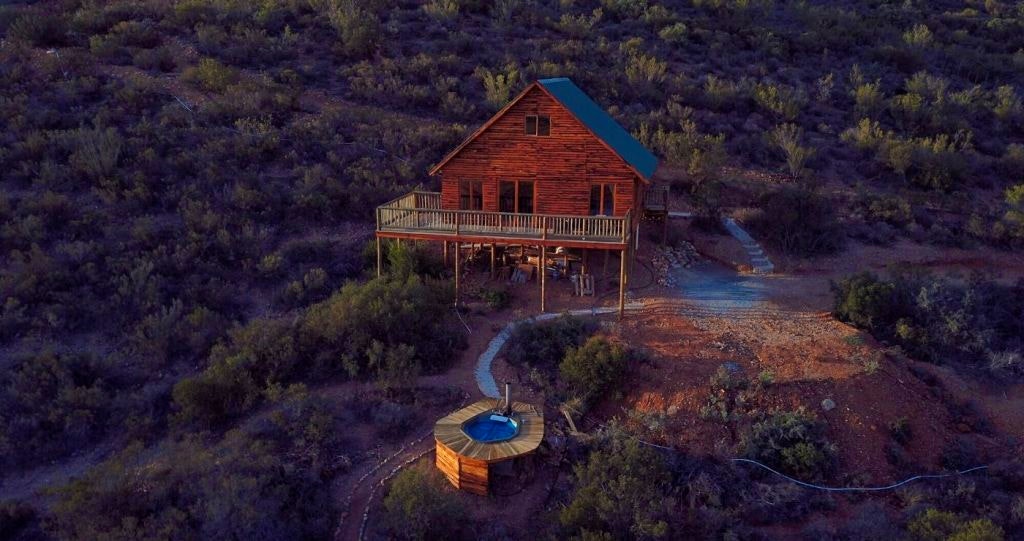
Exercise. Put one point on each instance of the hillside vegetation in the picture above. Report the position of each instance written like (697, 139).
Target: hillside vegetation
(187, 187)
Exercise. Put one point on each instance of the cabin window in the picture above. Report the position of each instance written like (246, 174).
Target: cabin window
(602, 199)
(538, 125)
(471, 195)
(515, 196)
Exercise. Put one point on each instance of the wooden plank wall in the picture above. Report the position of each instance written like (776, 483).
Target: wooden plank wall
(463, 473)
(473, 475)
(563, 164)
(448, 462)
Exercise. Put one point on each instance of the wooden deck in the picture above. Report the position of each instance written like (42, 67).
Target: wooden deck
(465, 461)
(419, 215)
(531, 431)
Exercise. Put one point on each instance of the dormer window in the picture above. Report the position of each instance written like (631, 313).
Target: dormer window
(538, 125)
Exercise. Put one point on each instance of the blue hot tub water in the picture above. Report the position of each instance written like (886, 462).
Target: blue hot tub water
(491, 428)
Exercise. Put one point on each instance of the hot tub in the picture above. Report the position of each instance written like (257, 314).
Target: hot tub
(489, 428)
(471, 440)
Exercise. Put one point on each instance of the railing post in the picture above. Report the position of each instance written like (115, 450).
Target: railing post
(457, 220)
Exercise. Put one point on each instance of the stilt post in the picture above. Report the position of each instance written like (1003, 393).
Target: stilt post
(494, 255)
(458, 273)
(622, 284)
(378, 258)
(543, 263)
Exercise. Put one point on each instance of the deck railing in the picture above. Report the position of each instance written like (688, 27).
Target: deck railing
(420, 212)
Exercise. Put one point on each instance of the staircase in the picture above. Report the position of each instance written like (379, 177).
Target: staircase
(758, 259)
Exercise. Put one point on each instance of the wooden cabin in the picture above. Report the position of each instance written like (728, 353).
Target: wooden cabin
(551, 169)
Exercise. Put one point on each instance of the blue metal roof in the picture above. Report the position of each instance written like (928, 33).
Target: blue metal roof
(603, 125)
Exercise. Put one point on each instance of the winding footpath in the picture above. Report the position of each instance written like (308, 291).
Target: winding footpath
(484, 377)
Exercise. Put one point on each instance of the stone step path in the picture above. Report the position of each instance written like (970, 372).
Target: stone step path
(482, 373)
(758, 259)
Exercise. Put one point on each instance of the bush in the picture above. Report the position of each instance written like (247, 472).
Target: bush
(498, 87)
(420, 508)
(620, 492)
(243, 485)
(792, 442)
(787, 138)
(936, 525)
(392, 330)
(798, 221)
(592, 369)
(974, 321)
(40, 28)
(50, 405)
(864, 301)
(15, 518)
(358, 28)
(544, 344)
(211, 75)
(782, 101)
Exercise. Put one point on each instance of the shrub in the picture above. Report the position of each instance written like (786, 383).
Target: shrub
(390, 329)
(864, 301)
(674, 33)
(783, 101)
(16, 517)
(900, 430)
(868, 99)
(936, 525)
(240, 486)
(211, 75)
(358, 28)
(644, 70)
(593, 369)
(51, 404)
(97, 151)
(719, 92)
(544, 344)
(498, 86)
(442, 10)
(496, 299)
(701, 154)
(620, 492)
(798, 221)
(579, 26)
(420, 508)
(40, 28)
(919, 36)
(787, 138)
(793, 442)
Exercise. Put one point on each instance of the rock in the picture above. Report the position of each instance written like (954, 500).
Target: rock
(828, 404)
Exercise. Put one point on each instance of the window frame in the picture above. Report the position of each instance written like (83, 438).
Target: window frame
(604, 207)
(536, 124)
(475, 193)
(517, 194)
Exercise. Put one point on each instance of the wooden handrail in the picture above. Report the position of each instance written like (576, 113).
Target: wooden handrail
(412, 213)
